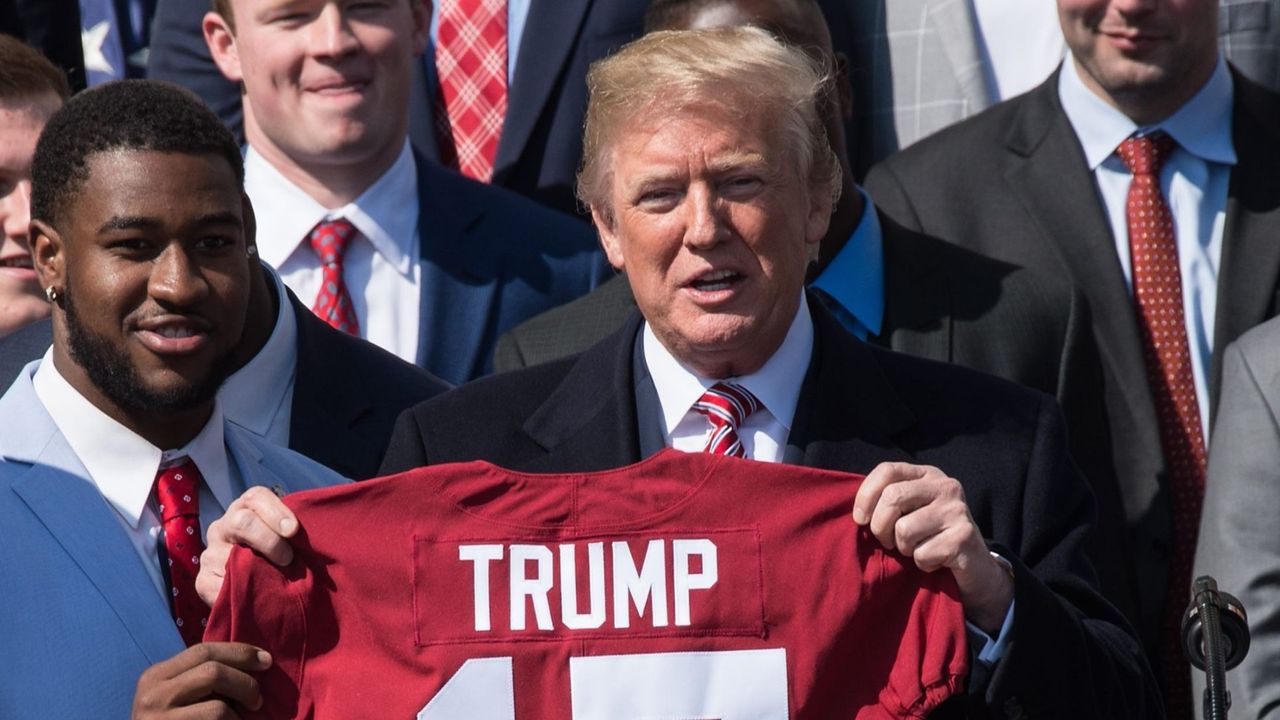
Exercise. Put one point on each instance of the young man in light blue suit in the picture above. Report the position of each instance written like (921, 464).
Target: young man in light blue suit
(141, 236)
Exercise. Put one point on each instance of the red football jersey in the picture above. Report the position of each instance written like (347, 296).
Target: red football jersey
(686, 586)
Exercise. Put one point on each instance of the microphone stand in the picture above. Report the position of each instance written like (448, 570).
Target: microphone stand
(1215, 638)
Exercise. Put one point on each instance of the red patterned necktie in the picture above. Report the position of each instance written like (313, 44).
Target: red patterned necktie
(178, 493)
(1157, 292)
(333, 303)
(471, 63)
(726, 405)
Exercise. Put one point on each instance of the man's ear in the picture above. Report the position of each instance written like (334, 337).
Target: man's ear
(421, 25)
(47, 254)
(606, 228)
(250, 226)
(222, 45)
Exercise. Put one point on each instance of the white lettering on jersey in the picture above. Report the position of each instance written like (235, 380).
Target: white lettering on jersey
(532, 579)
(535, 588)
(684, 581)
(481, 555)
(569, 614)
(650, 584)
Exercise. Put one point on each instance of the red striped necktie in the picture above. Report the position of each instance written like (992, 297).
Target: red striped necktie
(471, 64)
(726, 405)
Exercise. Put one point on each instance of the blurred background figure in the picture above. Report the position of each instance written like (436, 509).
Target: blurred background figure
(31, 89)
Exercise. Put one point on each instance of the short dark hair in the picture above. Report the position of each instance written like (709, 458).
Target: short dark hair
(25, 73)
(146, 115)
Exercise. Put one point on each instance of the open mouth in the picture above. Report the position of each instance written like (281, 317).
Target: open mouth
(714, 281)
(22, 262)
(173, 336)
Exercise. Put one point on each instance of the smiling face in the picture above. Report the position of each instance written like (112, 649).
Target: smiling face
(150, 256)
(712, 223)
(326, 82)
(21, 300)
(1145, 57)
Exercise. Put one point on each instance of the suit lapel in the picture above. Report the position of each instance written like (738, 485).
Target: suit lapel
(1047, 173)
(1247, 278)
(549, 38)
(589, 421)
(327, 402)
(56, 490)
(459, 275)
(917, 309)
(843, 388)
(958, 34)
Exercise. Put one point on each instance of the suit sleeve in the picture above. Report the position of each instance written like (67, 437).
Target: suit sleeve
(1239, 543)
(1072, 654)
(406, 450)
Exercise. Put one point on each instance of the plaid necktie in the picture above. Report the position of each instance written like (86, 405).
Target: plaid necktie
(726, 405)
(333, 303)
(178, 494)
(1157, 292)
(471, 63)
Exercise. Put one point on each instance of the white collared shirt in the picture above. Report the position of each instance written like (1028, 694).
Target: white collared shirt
(776, 384)
(1022, 43)
(123, 466)
(381, 265)
(1194, 181)
(259, 396)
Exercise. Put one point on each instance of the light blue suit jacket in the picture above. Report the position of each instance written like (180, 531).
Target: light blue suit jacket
(79, 616)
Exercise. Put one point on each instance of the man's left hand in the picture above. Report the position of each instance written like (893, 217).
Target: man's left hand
(921, 512)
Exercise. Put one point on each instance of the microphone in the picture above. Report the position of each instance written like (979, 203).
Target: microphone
(1215, 638)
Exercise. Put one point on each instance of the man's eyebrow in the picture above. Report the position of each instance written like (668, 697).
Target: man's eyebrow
(132, 222)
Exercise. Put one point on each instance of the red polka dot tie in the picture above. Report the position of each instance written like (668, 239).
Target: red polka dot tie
(178, 493)
(726, 405)
(471, 63)
(333, 303)
(1157, 291)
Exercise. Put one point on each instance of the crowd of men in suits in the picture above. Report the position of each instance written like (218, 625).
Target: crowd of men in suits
(1040, 325)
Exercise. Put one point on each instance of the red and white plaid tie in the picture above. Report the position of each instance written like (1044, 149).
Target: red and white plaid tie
(178, 494)
(726, 405)
(471, 63)
(329, 239)
(1157, 292)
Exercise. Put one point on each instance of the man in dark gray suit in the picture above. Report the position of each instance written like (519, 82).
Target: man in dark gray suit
(1038, 181)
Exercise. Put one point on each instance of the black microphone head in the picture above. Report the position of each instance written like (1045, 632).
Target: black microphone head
(1232, 619)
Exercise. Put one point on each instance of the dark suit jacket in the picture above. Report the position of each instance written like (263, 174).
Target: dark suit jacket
(1071, 655)
(489, 260)
(52, 27)
(1012, 183)
(541, 142)
(347, 392)
(944, 303)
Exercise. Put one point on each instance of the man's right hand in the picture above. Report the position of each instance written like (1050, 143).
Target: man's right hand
(207, 680)
(259, 520)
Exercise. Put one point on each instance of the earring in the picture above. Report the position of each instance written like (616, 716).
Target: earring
(51, 292)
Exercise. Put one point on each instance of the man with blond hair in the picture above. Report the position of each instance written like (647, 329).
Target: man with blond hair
(710, 181)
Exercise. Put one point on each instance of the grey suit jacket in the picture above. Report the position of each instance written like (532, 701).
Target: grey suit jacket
(77, 605)
(1239, 539)
(1012, 183)
(916, 67)
(1249, 35)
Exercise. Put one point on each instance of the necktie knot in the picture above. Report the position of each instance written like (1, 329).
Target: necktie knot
(726, 406)
(1145, 155)
(178, 491)
(329, 240)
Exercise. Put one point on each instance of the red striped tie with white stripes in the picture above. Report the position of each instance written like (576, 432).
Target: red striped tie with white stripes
(726, 405)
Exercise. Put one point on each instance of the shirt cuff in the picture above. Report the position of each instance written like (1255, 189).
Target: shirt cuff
(993, 648)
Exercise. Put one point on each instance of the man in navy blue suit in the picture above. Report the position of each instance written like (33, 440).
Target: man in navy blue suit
(433, 266)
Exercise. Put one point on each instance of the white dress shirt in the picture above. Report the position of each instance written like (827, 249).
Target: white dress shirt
(776, 385)
(259, 396)
(1022, 43)
(1194, 181)
(123, 466)
(381, 264)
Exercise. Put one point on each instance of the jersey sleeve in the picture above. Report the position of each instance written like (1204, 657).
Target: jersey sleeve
(262, 605)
